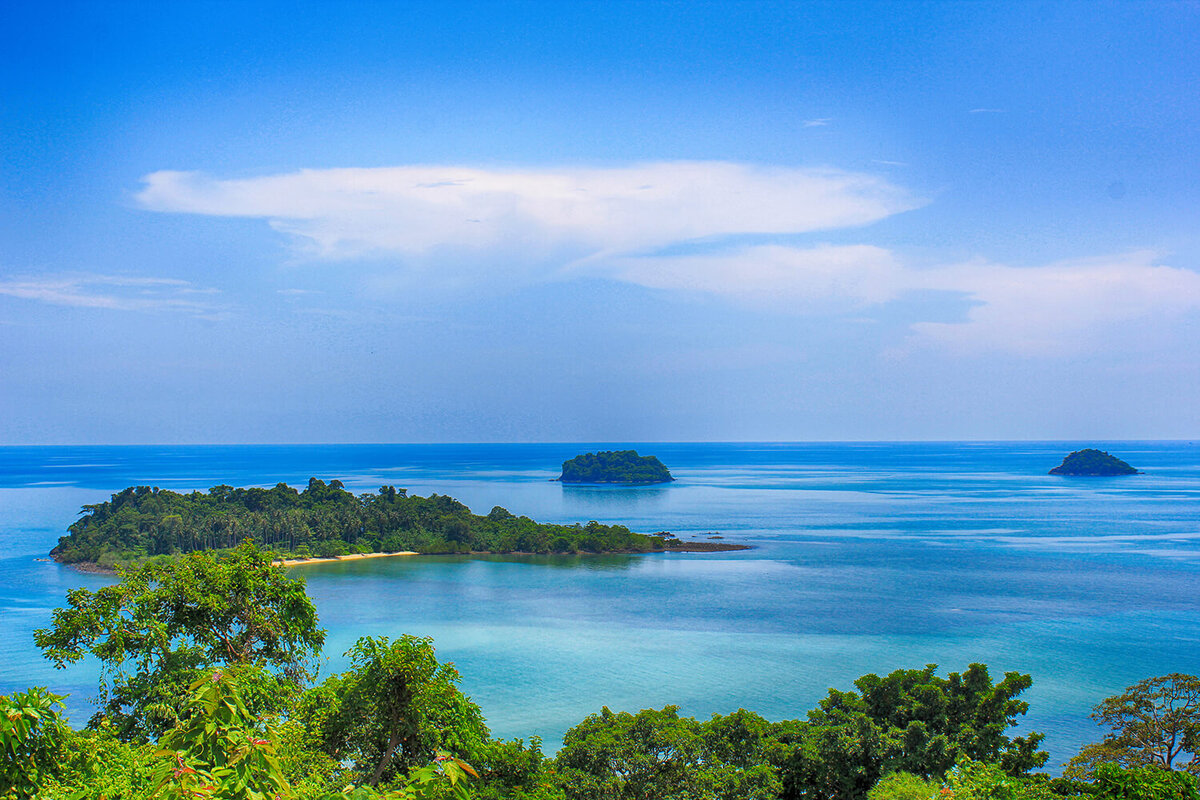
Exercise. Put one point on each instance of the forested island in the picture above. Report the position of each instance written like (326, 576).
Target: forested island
(1093, 463)
(615, 466)
(209, 691)
(325, 520)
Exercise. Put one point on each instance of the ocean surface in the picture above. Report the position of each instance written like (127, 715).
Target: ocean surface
(867, 557)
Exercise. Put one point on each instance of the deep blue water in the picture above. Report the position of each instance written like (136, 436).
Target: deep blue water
(868, 557)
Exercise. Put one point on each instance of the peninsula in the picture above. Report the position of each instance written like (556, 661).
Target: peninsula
(615, 466)
(1093, 463)
(325, 521)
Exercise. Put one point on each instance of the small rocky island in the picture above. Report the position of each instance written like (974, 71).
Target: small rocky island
(1093, 463)
(624, 467)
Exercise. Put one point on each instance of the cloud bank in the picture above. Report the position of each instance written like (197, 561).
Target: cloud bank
(1059, 308)
(843, 278)
(1051, 309)
(631, 223)
(414, 211)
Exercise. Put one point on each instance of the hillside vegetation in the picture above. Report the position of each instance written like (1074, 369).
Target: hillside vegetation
(1093, 463)
(615, 466)
(322, 520)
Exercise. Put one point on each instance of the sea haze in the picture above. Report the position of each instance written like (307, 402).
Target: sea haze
(867, 557)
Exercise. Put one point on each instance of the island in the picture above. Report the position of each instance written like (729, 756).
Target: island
(624, 467)
(1093, 463)
(325, 521)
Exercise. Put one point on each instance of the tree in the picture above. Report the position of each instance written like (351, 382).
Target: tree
(910, 721)
(393, 711)
(1155, 722)
(659, 754)
(164, 623)
(649, 754)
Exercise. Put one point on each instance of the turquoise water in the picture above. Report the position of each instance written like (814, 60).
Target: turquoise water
(868, 557)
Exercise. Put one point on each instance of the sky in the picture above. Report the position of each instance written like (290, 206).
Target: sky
(598, 222)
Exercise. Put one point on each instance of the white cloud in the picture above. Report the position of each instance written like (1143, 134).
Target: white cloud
(988, 111)
(116, 292)
(1053, 309)
(1058, 308)
(420, 212)
(817, 123)
(829, 277)
(616, 223)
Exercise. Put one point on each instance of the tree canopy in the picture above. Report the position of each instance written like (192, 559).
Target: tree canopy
(912, 721)
(658, 753)
(393, 710)
(1093, 463)
(164, 623)
(1153, 723)
(322, 520)
(615, 466)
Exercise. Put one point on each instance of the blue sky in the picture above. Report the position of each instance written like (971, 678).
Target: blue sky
(336, 222)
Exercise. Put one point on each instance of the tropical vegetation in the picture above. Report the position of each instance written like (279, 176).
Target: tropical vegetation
(220, 648)
(323, 520)
(615, 466)
(1093, 463)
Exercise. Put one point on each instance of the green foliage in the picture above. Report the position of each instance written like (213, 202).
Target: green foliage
(1143, 783)
(1083, 766)
(31, 741)
(396, 726)
(1155, 722)
(98, 766)
(910, 721)
(219, 750)
(1092, 462)
(393, 711)
(446, 778)
(615, 466)
(904, 786)
(648, 754)
(977, 780)
(166, 622)
(658, 754)
(324, 519)
(510, 770)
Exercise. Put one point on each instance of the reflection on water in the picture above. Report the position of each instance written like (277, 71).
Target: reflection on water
(609, 498)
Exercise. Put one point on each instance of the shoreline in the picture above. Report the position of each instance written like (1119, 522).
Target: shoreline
(93, 568)
(90, 567)
(684, 547)
(296, 562)
(704, 547)
(612, 483)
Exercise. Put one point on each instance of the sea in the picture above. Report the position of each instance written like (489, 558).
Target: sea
(866, 557)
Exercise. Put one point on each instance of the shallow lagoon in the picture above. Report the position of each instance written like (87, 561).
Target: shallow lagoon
(868, 557)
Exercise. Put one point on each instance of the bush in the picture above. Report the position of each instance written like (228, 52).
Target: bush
(31, 740)
(977, 780)
(903, 786)
(1143, 783)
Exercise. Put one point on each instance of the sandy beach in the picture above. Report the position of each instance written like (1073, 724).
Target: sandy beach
(295, 562)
